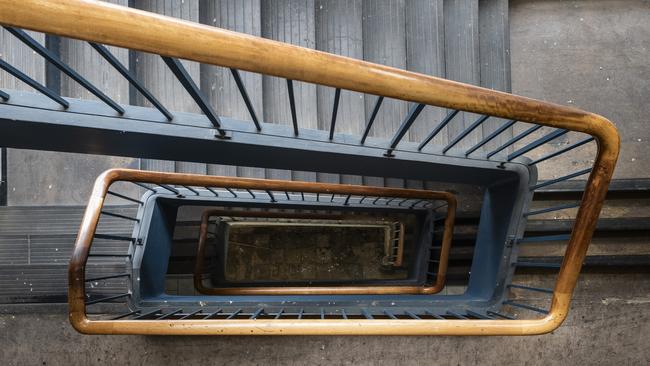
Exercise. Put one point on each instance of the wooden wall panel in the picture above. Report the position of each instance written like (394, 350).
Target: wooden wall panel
(217, 82)
(92, 66)
(291, 22)
(19, 191)
(22, 57)
(384, 42)
(339, 30)
(425, 53)
(157, 77)
(462, 57)
(494, 34)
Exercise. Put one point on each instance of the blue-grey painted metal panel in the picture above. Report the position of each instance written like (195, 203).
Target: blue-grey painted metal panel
(141, 132)
(501, 220)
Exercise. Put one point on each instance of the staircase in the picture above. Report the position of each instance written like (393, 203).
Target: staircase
(505, 173)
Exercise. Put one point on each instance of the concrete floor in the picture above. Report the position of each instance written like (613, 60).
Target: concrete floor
(608, 325)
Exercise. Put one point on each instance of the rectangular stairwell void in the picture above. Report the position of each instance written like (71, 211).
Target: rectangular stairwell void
(305, 250)
(323, 252)
(408, 236)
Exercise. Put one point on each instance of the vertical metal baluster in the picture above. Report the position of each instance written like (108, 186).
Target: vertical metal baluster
(292, 105)
(193, 90)
(337, 96)
(466, 132)
(413, 114)
(371, 120)
(54, 60)
(119, 67)
(247, 100)
(438, 128)
(33, 83)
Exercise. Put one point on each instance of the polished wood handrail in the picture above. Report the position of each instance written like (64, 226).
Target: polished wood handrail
(431, 288)
(135, 29)
(139, 30)
(76, 270)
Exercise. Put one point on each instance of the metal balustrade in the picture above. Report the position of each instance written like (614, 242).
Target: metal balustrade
(47, 121)
(149, 245)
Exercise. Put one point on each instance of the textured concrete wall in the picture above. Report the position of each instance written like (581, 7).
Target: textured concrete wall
(592, 55)
(47, 178)
(608, 325)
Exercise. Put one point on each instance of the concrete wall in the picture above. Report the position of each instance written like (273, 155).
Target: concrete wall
(593, 55)
(608, 325)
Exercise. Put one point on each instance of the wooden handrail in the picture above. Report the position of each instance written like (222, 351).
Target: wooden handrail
(124, 27)
(76, 270)
(135, 29)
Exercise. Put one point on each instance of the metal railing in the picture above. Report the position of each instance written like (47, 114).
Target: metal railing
(107, 24)
(198, 187)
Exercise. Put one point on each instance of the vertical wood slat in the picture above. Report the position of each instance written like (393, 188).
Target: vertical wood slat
(155, 75)
(218, 83)
(494, 35)
(339, 30)
(384, 42)
(462, 58)
(291, 22)
(22, 57)
(81, 57)
(425, 53)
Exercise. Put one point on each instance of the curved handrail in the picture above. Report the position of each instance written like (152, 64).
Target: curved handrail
(124, 27)
(76, 269)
